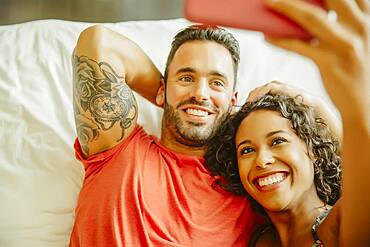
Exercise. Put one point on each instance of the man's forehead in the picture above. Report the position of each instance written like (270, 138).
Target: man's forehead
(190, 46)
(203, 55)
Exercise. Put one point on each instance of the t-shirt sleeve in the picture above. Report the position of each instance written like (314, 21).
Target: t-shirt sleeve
(100, 159)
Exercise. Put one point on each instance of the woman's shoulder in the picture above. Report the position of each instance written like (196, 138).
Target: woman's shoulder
(264, 236)
(328, 231)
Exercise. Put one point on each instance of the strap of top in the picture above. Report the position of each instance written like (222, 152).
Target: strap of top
(262, 229)
(316, 224)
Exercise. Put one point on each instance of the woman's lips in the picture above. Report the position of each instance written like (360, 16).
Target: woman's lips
(270, 181)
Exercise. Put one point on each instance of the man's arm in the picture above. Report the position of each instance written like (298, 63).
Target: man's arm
(322, 108)
(107, 66)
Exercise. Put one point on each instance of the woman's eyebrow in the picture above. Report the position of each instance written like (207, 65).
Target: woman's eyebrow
(243, 142)
(275, 132)
(247, 141)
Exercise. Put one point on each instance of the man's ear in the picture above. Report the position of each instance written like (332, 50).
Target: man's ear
(234, 98)
(161, 94)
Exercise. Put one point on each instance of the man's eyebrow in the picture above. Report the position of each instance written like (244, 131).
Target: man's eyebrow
(192, 70)
(185, 70)
(218, 73)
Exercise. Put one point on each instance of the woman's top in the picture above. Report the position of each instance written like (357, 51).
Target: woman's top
(262, 229)
(319, 219)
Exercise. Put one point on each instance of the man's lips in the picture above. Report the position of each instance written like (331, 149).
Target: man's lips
(198, 111)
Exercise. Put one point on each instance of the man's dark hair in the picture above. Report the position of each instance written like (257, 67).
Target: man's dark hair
(206, 33)
(221, 156)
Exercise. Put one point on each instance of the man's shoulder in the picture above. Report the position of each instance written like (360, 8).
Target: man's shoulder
(138, 139)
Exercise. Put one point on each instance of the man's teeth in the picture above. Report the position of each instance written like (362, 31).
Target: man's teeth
(196, 112)
(272, 179)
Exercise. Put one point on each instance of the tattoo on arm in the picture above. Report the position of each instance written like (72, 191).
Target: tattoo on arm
(101, 99)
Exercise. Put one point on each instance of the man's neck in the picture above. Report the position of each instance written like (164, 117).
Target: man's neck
(175, 145)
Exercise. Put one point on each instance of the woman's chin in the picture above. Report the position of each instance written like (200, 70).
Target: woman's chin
(273, 206)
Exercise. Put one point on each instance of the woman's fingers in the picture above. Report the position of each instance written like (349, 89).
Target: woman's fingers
(311, 50)
(349, 14)
(314, 20)
(364, 5)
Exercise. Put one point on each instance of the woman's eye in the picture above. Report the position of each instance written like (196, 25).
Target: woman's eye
(246, 150)
(278, 141)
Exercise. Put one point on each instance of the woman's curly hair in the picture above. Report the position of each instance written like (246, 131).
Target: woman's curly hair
(221, 155)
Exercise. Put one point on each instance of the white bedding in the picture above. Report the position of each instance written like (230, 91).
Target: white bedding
(39, 176)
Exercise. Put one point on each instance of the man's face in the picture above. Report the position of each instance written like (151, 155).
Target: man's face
(199, 92)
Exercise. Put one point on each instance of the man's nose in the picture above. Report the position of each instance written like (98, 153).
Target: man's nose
(201, 90)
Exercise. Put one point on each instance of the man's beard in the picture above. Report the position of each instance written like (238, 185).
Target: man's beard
(192, 134)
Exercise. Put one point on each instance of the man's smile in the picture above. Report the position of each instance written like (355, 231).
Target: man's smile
(197, 113)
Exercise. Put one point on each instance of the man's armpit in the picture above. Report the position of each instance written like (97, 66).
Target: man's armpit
(102, 100)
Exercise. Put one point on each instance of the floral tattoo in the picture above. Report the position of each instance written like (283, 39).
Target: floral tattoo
(101, 99)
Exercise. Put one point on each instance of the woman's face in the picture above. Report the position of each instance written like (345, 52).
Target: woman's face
(274, 165)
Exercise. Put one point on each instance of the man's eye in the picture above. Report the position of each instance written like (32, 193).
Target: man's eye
(246, 150)
(186, 79)
(278, 140)
(218, 83)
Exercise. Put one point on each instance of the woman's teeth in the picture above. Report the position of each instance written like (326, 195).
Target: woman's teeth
(196, 112)
(271, 179)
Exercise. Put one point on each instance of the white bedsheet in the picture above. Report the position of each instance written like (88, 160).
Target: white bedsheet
(39, 176)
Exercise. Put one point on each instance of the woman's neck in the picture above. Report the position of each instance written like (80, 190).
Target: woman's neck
(294, 225)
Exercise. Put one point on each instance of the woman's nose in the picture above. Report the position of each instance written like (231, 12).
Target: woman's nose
(264, 158)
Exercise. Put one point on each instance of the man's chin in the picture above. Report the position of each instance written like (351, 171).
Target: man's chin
(200, 125)
(193, 141)
(196, 134)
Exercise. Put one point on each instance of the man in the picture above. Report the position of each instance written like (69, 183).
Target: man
(138, 190)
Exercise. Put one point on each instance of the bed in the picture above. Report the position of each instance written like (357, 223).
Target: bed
(39, 176)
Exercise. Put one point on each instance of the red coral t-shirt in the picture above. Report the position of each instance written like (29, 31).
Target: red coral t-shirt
(140, 193)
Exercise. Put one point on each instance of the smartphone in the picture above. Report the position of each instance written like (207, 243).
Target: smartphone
(245, 14)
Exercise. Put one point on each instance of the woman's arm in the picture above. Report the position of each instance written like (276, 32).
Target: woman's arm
(341, 50)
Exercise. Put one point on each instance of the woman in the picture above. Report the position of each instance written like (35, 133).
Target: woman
(341, 50)
(286, 159)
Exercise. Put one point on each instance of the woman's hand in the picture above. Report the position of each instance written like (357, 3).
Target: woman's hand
(340, 48)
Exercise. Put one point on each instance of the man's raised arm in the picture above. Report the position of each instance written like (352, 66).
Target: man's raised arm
(107, 66)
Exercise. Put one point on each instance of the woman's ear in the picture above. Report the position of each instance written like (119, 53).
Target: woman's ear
(161, 94)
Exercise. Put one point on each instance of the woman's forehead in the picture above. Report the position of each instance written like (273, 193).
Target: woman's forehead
(262, 122)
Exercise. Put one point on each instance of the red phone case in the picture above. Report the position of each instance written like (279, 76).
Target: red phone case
(245, 14)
